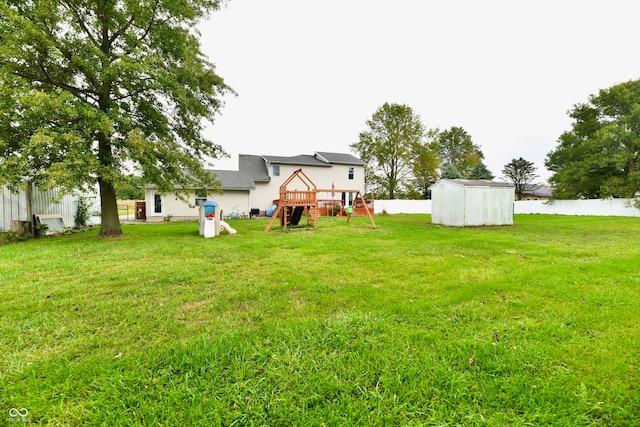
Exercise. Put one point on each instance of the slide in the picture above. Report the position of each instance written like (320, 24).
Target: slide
(228, 227)
(297, 214)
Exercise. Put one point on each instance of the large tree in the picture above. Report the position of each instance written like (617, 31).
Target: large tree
(600, 155)
(424, 167)
(456, 147)
(387, 148)
(521, 172)
(92, 90)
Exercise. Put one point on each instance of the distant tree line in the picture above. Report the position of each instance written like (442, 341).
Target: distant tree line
(403, 158)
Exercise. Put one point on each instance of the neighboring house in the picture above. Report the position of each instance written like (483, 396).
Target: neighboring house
(257, 182)
(466, 202)
(26, 203)
(536, 192)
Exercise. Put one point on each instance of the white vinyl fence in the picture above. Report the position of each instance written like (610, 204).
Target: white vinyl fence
(594, 207)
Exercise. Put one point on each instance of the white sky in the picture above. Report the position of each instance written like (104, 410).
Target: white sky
(309, 74)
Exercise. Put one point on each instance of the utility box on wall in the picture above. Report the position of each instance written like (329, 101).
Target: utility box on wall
(468, 202)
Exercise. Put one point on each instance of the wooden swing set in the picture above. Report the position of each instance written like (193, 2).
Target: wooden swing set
(292, 203)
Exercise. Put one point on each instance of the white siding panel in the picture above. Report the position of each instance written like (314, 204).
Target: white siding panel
(178, 209)
(13, 206)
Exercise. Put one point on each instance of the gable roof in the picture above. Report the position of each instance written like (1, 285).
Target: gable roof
(258, 166)
(254, 166)
(339, 158)
(474, 183)
(301, 160)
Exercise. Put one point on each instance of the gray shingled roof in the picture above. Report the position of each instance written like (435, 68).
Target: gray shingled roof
(255, 166)
(234, 180)
(537, 190)
(229, 180)
(302, 160)
(340, 158)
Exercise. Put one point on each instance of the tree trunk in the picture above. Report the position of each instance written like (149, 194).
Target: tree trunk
(28, 191)
(110, 221)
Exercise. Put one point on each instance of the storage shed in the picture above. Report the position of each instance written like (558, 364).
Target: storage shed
(468, 202)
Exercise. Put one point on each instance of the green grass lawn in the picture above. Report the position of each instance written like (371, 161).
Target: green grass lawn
(407, 324)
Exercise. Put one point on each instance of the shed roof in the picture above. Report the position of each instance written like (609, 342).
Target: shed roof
(474, 183)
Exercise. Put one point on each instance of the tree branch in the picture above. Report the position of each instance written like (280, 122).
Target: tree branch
(81, 22)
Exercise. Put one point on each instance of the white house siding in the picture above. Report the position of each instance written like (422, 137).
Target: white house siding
(13, 206)
(177, 209)
(322, 177)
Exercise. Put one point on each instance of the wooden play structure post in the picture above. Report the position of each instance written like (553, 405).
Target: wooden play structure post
(293, 202)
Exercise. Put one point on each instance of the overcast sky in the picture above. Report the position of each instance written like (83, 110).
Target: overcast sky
(309, 74)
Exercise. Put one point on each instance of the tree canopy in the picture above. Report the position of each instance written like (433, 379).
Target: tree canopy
(91, 91)
(455, 147)
(480, 171)
(395, 134)
(599, 157)
(424, 167)
(450, 171)
(521, 172)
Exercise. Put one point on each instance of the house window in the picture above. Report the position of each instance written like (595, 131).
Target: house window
(351, 173)
(276, 170)
(201, 196)
(157, 203)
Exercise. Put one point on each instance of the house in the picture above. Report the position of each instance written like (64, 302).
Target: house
(256, 185)
(235, 197)
(536, 192)
(327, 171)
(466, 202)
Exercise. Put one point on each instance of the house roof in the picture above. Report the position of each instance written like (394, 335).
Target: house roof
(255, 166)
(537, 190)
(234, 180)
(474, 183)
(302, 160)
(339, 158)
(229, 180)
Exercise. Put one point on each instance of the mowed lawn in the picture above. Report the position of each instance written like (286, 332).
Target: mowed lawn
(407, 324)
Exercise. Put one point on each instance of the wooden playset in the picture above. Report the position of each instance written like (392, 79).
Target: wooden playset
(292, 203)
